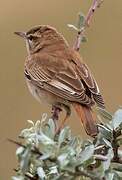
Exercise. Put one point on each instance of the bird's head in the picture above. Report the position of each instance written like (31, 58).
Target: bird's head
(40, 37)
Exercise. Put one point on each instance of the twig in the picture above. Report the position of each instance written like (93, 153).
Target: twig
(80, 34)
(77, 42)
(95, 4)
(115, 146)
(100, 157)
(55, 115)
(35, 150)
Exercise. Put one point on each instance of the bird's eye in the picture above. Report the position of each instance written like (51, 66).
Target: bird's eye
(30, 37)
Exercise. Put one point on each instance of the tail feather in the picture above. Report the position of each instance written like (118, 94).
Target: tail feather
(87, 117)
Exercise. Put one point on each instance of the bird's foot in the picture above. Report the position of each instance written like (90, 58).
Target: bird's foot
(55, 115)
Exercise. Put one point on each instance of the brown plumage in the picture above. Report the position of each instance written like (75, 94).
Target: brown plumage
(56, 73)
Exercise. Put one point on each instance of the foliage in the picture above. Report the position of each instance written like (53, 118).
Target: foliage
(80, 27)
(45, 155)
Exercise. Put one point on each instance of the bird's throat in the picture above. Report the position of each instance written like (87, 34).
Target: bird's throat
(28, 47)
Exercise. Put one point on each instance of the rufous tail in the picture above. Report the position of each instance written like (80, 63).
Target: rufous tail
(87, 117)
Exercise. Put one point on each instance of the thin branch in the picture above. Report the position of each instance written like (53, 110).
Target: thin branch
(94, 6)
(115, 146)
(55, 115)
(80, 34)
(100, 157)
(17, 143)
(35, 150)
(77, 42)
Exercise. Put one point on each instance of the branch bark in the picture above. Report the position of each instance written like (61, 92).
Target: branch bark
(115, 146)
(95, 4)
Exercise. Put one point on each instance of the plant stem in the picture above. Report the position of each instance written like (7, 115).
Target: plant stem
(95, 4)
(115, 146)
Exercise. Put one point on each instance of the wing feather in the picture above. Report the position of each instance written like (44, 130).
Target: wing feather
(57, 78)
(87, 77)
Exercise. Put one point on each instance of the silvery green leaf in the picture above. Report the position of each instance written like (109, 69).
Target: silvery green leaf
(81, 20)
(19, 151)
(63, 135)
(110, 176)
(104, 132)
(117, 176)
(63, 160)
(76, 144)
(43, 119)
(25, 159)
(70, 167)
(52, 125)
(72, 26)
(109, 125)
(107, 143)
(84, 39)
(67, 150)
(64, 149)
(99, 147)
(100, 171)
(71, 151)
(31, 138)
(48, 150)
(105, 114)
(25, 133)
(88, 162)
(106, 164)
(87, 153)
(87, 142)
(37, 126)
(30, 122)
(44, 156)
(45, 139)
(53, 170)
(41, 173)
(49, 129)
(117, 119)
(18, 178)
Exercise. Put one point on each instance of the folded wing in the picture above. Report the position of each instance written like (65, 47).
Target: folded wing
(57, 76)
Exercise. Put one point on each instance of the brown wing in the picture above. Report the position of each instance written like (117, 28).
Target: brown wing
(57, 76)
(88, 79)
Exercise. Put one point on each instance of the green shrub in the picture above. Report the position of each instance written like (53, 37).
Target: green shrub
(42, 154)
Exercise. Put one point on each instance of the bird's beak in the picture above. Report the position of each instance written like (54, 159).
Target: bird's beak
(21, 34)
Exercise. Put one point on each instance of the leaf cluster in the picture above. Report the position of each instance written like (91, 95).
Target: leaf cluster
(80, 26)
(45, 155)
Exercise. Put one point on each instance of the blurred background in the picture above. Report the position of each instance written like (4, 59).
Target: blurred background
(102, 53)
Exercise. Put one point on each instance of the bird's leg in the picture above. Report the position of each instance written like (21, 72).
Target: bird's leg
(68, 113)
(56, 109)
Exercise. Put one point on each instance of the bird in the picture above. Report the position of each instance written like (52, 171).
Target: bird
(56, 74)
